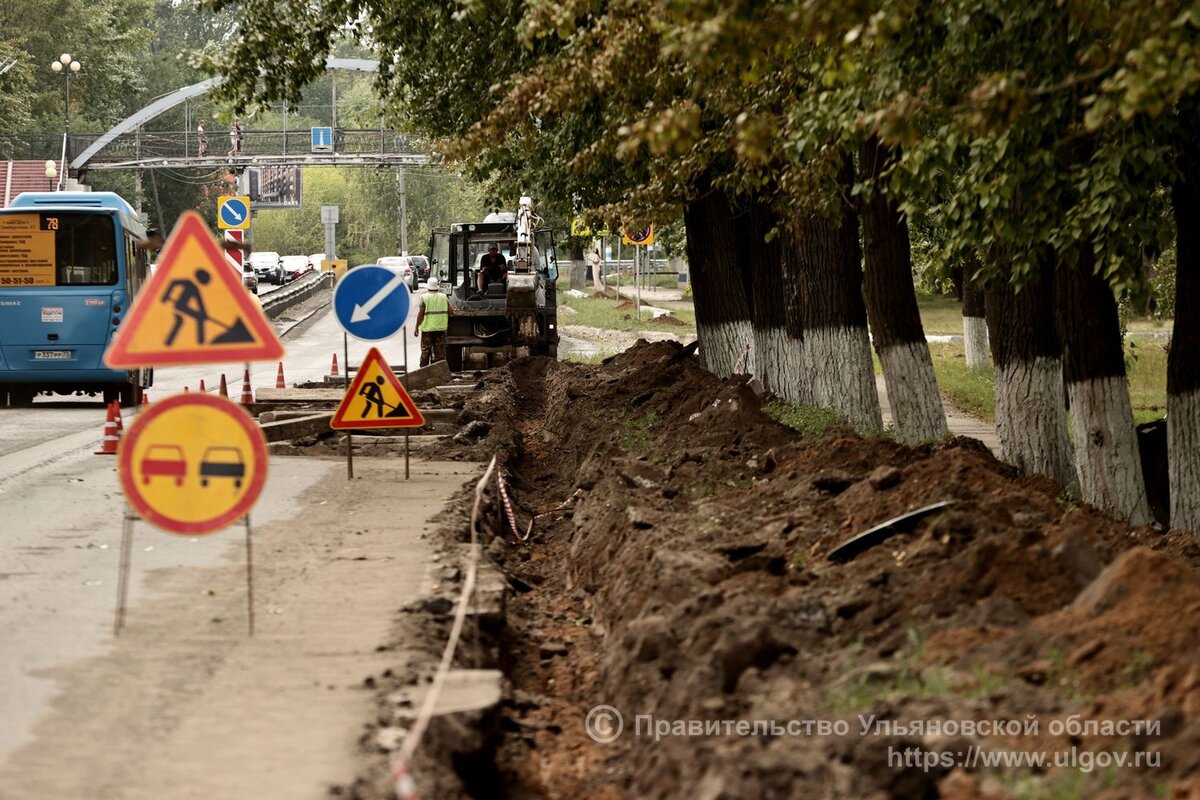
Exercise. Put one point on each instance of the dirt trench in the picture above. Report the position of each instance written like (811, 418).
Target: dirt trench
(688, 578)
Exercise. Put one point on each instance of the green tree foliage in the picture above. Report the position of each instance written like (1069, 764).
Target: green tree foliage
(108, 37)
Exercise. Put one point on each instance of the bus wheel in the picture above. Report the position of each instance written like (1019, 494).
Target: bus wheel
(20, 396)
(454, 357)
(131, 395)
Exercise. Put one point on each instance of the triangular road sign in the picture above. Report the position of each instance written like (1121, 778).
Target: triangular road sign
(194, 310)
(376, 399)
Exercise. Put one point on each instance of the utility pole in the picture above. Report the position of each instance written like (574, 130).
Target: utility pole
(402, 211)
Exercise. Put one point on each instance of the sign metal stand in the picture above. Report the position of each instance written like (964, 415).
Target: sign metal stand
(404, 338)
(249, 577)
(126, 559)
(123, 568)
(349, 434)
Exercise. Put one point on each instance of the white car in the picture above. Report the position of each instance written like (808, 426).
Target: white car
(294, 267)
(403, 266)
(266, 266)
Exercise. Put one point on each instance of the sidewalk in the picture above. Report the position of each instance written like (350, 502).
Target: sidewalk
(960, 424)
(186, 705)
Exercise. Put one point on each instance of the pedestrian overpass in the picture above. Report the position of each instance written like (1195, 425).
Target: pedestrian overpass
(129, 146)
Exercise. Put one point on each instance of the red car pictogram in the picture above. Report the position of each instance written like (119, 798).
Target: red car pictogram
(166, 460)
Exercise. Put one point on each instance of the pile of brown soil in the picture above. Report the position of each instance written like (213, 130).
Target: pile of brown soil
(690, 581)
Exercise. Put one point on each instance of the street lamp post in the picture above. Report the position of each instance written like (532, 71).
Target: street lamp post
(51, 173)
(68, 66)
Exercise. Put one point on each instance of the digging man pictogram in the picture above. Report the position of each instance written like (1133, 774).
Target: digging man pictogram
(187, 299)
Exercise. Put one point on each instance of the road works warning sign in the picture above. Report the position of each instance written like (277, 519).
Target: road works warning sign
(194, 310)
(192, 464)
(376, 399)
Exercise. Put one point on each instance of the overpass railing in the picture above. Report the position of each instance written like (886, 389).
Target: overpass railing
(176, 145)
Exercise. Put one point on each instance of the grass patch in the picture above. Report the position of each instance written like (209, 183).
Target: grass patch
(580, 358)
(863, 691)
(969, 390)
(1146, 368)
(807, 420)
(662, 280)
(940, 315)
(973, 391)
(637, 432)
(609, 313)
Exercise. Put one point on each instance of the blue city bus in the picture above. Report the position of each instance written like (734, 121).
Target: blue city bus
(70, 263)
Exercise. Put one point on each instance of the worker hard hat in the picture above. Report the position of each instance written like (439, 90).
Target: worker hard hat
(432, 284)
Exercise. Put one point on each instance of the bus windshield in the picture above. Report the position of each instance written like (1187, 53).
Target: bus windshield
(57, 248)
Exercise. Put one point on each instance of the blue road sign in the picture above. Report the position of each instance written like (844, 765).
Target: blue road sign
(322, 138)
(371, 303)
(234, 213)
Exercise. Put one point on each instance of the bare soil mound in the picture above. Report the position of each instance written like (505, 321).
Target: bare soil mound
(688, 579)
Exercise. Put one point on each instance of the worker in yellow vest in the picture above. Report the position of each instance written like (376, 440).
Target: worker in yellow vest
(433, 318)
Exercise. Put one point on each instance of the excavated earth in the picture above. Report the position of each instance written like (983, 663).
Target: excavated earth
(688, 577)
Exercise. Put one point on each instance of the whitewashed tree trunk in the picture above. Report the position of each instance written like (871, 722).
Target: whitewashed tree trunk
(839, 374)
(975, 332)
(912, 389)
(781, 365)
(1031, 419)
(975, 342)
(723, 345)
(822, 260)
(718, 285)
(1106, 450)
(891, 303)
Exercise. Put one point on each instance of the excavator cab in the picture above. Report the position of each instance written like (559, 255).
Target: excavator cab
(521, 311)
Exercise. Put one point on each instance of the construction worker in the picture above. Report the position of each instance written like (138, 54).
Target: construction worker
(433, 318)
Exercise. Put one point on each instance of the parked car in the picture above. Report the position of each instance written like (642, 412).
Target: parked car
(402, 265)
(249, 279)
(420, 267)
(315, 260)
(267, 266)
(294, 267)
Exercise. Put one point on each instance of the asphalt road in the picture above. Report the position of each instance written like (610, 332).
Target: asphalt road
(61, 527)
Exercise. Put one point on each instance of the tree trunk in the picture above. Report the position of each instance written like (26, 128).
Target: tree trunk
(837, 351)
(777, 352)
(1106, 450)
(1030, 416)
(892, 309)
(718, 288)
(975, 332)
(1183, 362)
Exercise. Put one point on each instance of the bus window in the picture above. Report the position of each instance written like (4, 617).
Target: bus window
(84, 248)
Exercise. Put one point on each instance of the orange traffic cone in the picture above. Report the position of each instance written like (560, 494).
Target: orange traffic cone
(224, 390)
(108, 446)
(247, 394)
(333, 373)
(202, 389)
(119, 421)
(279, 381)
(145, 398)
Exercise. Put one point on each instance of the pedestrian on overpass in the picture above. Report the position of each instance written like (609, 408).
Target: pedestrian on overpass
(201, 140)
(433, 318)
(236, 134)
